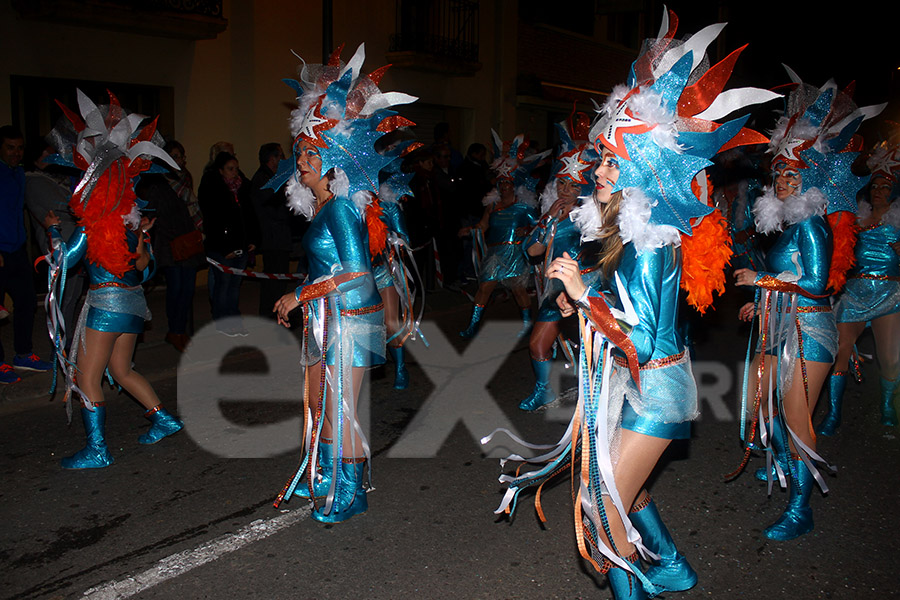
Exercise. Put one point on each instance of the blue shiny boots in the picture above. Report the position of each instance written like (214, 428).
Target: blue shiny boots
(323, 478)
(542, 395)
(673, 573)
(797, 518)
(888, 412)
(401, 374)
(470, 331)
(837, 382)
(624, 585)
(780, 445)
(527, 323)
(163, 425)
(95, 454)
(349, 495)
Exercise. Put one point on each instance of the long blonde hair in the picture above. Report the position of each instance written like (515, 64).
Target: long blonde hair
(610, 243)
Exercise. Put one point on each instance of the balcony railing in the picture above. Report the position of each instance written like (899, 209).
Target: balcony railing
(437, 35)
(191, 19)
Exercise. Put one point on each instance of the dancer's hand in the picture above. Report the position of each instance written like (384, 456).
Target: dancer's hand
(285, 305)
(51, 220)
(747, 311)
(566, 308)
(745, 277)
(147, 224)
(566, 269)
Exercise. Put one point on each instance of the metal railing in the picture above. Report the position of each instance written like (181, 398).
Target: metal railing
(444, 28)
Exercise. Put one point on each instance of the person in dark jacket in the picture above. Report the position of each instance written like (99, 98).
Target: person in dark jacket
(173, 220)
(275, 227)
(230, 227)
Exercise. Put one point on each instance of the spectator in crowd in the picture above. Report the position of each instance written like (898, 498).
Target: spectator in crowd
(183, 182)
(449, 243)
(422, 213)
(178, 249)
(274, 218)
(230, 228)
(15, 268)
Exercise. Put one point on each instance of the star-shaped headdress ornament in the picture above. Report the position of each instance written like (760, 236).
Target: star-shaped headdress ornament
(343, 113)
(663, 123)
(817, 136)
(885, 161)
(576, 156)
(512, 163)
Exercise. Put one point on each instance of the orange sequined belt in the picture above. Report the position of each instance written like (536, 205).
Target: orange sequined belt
(813, 309)
(656, 363)
(353, 312)
(875, 277)
(109, 284)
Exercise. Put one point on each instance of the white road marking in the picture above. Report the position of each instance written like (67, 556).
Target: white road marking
(182, 562)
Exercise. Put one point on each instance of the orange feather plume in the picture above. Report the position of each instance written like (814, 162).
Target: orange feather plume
(377, 228)
(705, 254)
(843, 233)
(101, 216)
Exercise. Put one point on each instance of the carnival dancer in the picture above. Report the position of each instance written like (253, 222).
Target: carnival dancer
(509, 216)
(872, 292)
(656, 136)
(808, 262)
(331, 180)
(389, 243)
(113, 148)
(555, 234)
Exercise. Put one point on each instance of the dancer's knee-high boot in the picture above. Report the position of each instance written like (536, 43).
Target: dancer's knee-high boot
(323, 478)
(349, 495)
(624, 584)
(401, 374)
(797, 518)
(542, 395)
(673, 573)
(470, 331)
(527, 322)
(95, 454)
(888, 412)
(164, 425)
(836, 384)
(782, 452)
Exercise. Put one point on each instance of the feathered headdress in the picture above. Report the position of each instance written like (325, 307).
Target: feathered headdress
(817, 135)
(885, 161)
(343, 113)
(662, 124)
(112, 147)
(574, 162)
(512, 163)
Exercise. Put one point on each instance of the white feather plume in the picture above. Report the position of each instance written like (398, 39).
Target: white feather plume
(634, 223)
(587, 219)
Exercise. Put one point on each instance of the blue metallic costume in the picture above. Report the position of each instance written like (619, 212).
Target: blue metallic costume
(337, 242)
(113, 303)
(667, 400)
(392, 216)
(505, 257)
(873, 287)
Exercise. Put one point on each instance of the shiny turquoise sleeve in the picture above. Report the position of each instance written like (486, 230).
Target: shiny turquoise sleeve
(393, 217)
(76, 245)
(812, 244)
(644, 287)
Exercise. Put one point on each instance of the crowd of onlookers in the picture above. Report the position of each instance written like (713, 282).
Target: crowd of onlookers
(224, 219)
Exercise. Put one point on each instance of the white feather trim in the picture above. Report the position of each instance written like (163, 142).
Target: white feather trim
(133, 219)
(362, 199)
(340, 184)
(549, 196)
(526, 196)
(387, 194)
(491, 198)
(892, 216)
(587, 219)
(634, 223)
(300, 198)
(863, 211)
(647, 106)
(772, 214)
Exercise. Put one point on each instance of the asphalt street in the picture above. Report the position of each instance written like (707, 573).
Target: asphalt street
(187, 518)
